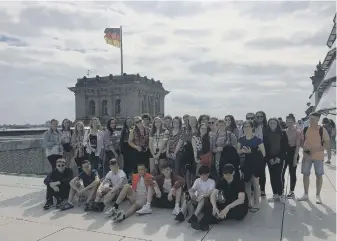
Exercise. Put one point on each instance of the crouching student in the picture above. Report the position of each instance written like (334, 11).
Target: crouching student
(167, 189)
(200, 192)
(110, 187)
(57, 182)
(85, 184)
(137, 193)
(227, 201)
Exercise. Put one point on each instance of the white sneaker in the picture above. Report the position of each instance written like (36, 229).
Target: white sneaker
(112, 212)
(119, 217)
(145, 210)
(176, 210)
(318, 199)
(303, 198)
(275, 198)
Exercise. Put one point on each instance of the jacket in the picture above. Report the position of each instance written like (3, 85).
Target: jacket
(52, 143)
(176, 181)
(56, 176)
(136, 178)
(283, 149)
(100, 146)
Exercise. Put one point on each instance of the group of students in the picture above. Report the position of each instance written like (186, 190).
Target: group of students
(207, 163)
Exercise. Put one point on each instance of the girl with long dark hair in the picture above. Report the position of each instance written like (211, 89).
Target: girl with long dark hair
(77, 143)
(202, 147)
(231, 125)
(276, 142)
(157, 145)
(111, 145)
(292, 157)
(52, 143)
(173, 152)
(126, 149)
(139, 140)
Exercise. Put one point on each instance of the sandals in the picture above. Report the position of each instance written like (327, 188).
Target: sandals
(66, 206)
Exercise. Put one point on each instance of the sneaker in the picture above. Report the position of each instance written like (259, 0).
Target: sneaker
(328, 162)
(176, 210)
(146, 209)
(275, 198)
(291, 195)
(282, 199)
(200, 227)
(119, 217)
(263, 194)
(193, 219)
(48, 205)
(303, 198)
(318, 199)
(180, 217)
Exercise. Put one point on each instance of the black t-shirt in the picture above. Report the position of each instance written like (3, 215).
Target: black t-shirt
(93, 141)
(230, 191)
(88, 179)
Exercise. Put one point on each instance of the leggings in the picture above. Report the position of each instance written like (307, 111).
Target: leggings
(262, 179)
(52, 160)
(289, 162)
(276, 177)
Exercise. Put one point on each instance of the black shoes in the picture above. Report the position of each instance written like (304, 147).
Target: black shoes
(200, 227)
(180, 217)
(193, 219)
(48, 205)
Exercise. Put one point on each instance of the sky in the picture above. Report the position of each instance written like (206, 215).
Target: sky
(217, 58)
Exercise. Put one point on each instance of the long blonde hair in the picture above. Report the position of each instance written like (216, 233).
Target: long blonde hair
(77, 133)
(99, 123)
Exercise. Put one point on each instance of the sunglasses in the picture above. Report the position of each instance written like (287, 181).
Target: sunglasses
(137, 122)
(61, 165)
(250, 118)
(260, 116)
(212, 122)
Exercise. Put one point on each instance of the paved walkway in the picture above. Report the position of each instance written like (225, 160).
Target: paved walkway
(22, 219)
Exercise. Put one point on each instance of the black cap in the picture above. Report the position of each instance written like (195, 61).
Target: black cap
(228, 169)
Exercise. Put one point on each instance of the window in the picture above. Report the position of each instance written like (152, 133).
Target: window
(105, 107)
(92, 108)
(157, 106)
(117, 106)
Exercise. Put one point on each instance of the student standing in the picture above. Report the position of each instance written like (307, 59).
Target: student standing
(52, 143)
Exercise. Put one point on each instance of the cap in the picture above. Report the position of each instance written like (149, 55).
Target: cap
(228, 169)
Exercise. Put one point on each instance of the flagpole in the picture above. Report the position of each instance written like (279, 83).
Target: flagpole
(121, 36)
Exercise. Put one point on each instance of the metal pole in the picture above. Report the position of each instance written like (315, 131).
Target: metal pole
(121, 36)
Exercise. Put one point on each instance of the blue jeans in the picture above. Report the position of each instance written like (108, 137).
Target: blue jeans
(318, 166)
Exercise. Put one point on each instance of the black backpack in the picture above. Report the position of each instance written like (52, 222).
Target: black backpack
(320, 134)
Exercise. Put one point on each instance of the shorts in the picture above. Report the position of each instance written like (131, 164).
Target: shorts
(307, 164)
(163, 202)
(138, 199)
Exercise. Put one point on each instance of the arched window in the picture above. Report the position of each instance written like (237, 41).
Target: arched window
(105, 107)
(92, 108)
(117, 106)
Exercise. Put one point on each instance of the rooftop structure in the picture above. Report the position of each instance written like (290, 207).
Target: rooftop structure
(323, 98)
(118, 96)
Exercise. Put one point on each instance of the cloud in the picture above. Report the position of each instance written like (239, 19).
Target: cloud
(213, 57)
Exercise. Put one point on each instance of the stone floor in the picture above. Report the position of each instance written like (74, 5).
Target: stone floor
(22, 219)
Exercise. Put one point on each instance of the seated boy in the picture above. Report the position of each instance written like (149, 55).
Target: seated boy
(137, 193)
(110, 187)
(168, 190)
(85, 184)
(57, 183)
(200, 192)
(227, 201)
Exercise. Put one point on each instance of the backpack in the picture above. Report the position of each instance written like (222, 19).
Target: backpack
(320, 133)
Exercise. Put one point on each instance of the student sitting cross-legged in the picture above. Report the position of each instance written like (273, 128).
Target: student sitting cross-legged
(110, 187)
(200, 192)
(85, 184)
(228, 200)
(167, 189)
(137, 193)
(57, 183)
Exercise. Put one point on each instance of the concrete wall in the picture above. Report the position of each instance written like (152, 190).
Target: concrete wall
(23, 156)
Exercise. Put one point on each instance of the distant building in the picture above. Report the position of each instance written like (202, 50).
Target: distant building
(323, 98)
(117, 96)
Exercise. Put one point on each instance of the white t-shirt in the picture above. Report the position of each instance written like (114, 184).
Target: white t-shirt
(115, 179)
(141, 188)
(167, 186)
(202, 188)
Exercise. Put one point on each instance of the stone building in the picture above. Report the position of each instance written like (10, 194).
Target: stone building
(118, 96)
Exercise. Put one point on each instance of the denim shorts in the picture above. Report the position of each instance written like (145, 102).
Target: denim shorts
(318, 166)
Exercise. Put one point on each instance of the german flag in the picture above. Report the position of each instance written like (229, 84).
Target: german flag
(113, 36)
